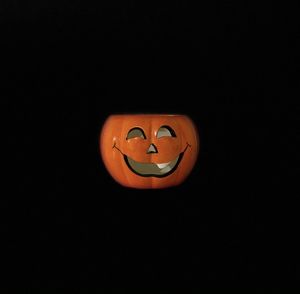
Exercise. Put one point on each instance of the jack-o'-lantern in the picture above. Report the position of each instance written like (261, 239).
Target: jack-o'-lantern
(149, 150)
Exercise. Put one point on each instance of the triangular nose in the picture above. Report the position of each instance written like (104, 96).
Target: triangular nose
(152, 149)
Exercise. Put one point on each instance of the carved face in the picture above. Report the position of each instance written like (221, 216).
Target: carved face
(149, 151)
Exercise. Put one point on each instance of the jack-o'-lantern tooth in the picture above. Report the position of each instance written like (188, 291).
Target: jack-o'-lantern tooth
(163, 165)
(166, 169)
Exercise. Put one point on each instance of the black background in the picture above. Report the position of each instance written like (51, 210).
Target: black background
(232, 67)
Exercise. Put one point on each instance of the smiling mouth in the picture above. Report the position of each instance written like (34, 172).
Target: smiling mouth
(153, 169)
(158, 170)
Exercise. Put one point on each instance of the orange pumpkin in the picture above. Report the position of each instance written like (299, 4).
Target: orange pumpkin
(149, 150)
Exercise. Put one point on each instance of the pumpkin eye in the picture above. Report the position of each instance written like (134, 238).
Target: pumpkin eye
(136, 132)
(165, 131)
